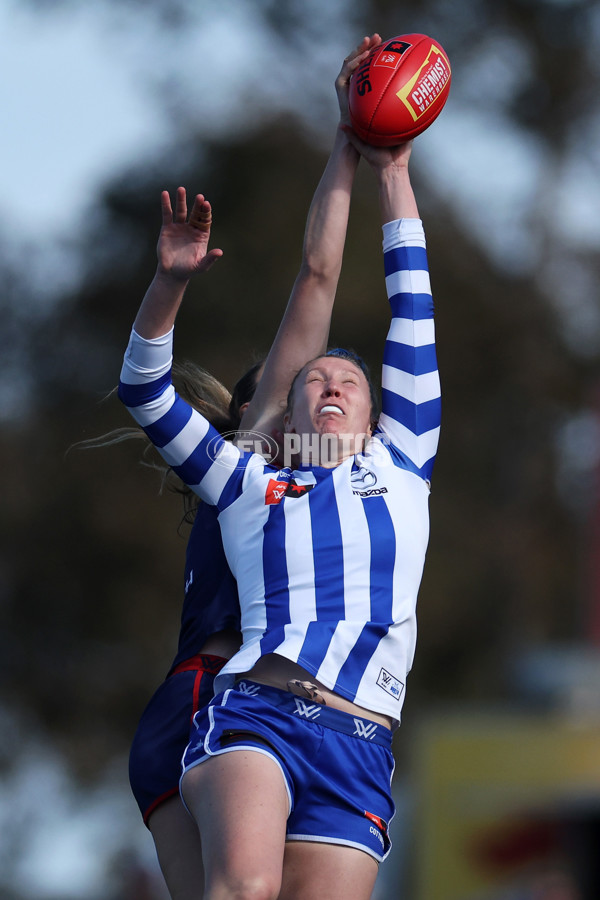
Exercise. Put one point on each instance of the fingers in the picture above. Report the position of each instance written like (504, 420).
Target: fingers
(201, 215)
(356, 56)
(180, 206)
(210, 259)
(167, 212)
(358, 50)
(356, 142)
(354, 59)
(397, 155)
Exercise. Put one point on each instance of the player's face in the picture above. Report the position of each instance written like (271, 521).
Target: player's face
(331, 396)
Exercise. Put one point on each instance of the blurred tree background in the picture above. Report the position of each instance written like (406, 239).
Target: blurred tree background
(92, 555)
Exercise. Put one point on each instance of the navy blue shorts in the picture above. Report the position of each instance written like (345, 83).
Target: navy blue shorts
(164, 731)
(337, 767)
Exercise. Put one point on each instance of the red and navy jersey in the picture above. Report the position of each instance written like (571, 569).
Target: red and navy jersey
(211, 601)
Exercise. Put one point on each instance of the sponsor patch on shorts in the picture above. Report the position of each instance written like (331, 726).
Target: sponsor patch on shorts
(379, 829)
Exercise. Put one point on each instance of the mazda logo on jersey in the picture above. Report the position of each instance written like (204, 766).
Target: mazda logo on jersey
(363, 478)
(277, 490)
(363, 481)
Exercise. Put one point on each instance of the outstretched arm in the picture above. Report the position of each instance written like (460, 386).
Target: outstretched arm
(185, 439)
(182, 252)
(390, 165)
(411, 405)
(304, 329)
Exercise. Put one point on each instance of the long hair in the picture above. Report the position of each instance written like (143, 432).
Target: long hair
(208, 396)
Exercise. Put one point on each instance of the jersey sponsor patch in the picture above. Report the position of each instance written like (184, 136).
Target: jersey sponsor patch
(277, 490)
(363, 483)
(390, 684)
(373, 492)
(363, 478)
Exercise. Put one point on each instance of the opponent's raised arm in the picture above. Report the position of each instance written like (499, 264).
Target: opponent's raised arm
(304, 329)
(186, 440)
(182, 252)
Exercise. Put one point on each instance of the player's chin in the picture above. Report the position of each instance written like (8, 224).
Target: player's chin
(331, 424)
(348, 440)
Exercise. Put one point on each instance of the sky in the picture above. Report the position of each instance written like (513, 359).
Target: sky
(83, 96)
(71, 112)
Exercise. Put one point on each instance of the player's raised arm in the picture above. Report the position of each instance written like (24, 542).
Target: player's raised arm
(411, 406)
(185, 439)
(182, 252)
(304, 329)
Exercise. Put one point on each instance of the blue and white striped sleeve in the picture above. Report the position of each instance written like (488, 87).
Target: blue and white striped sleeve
(411, 404)
(210, 466)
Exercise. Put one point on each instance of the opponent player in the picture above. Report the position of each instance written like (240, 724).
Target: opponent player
(294, 758)
(210, 619)
(208, 637)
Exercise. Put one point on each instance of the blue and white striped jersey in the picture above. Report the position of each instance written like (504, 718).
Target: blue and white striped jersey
(328, 561)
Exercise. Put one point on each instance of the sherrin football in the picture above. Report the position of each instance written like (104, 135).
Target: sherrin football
(398, 91)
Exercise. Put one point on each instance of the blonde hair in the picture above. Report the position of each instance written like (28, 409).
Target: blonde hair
(204, 393)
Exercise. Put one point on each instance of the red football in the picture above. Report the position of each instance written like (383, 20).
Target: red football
(399, 89)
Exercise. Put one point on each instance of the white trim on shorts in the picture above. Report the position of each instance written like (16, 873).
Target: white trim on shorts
(210, 753)
(340, 842)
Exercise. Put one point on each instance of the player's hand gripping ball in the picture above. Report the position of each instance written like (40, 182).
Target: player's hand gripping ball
(399, 90)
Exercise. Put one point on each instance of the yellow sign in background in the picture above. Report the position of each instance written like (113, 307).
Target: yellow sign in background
(493, 795)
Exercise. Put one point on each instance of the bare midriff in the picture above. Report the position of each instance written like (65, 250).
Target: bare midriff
(278, 672)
